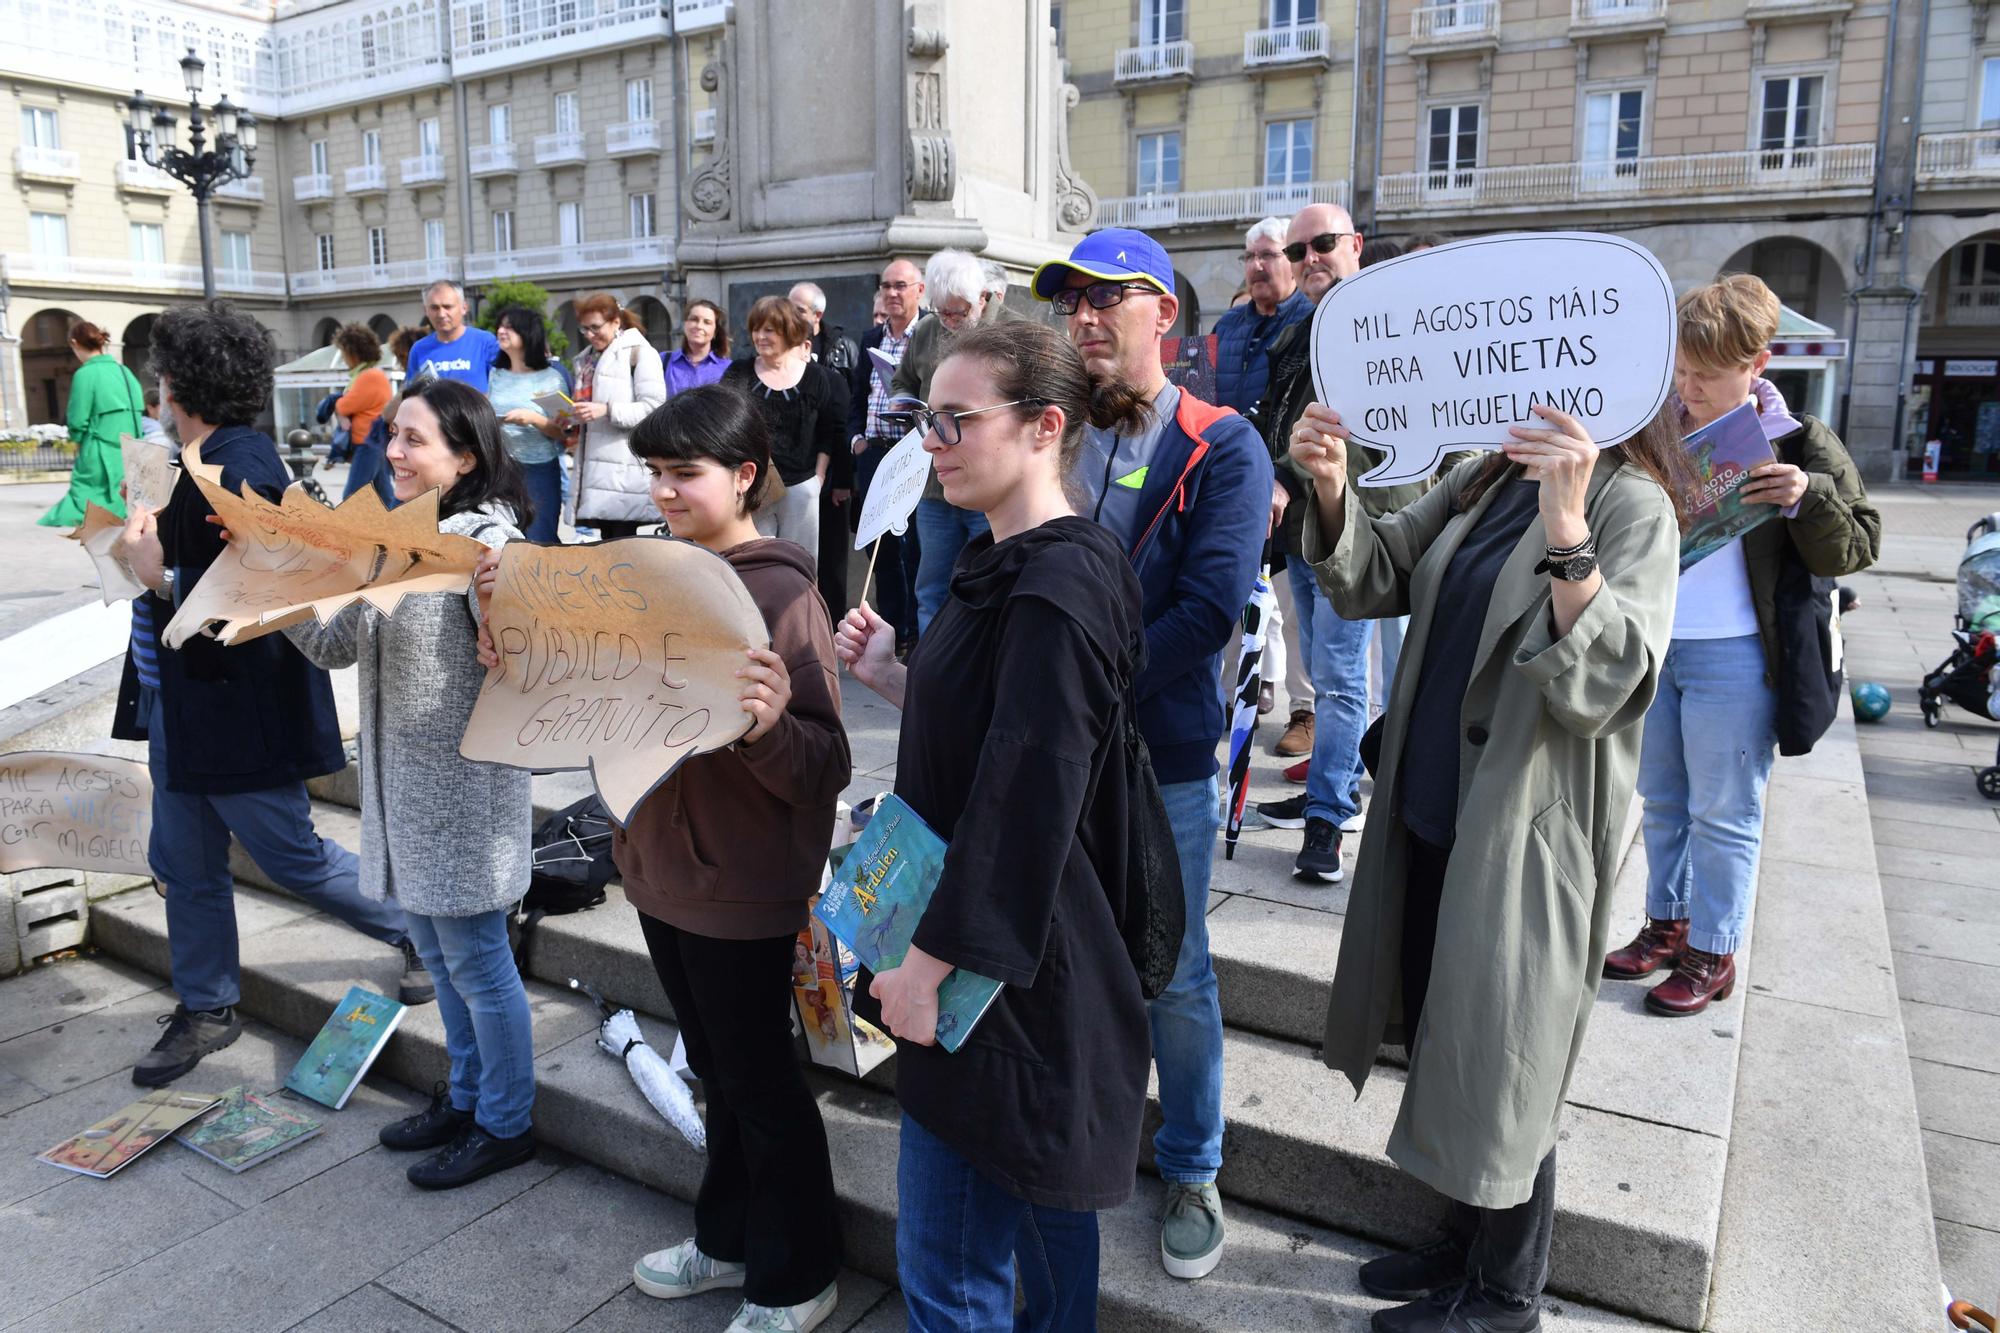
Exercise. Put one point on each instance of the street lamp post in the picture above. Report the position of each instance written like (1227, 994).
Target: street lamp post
(232, 158)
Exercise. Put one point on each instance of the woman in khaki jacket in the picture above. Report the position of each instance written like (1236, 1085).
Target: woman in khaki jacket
(1540, 589)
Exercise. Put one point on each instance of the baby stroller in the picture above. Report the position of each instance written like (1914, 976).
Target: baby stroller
(1970, 677)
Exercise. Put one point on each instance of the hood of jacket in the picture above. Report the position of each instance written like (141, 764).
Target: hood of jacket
(757, 561)
(1080, 558)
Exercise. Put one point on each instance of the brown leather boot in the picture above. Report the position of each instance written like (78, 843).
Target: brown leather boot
(1698, 978)
(1298, 736)
(1658, 944)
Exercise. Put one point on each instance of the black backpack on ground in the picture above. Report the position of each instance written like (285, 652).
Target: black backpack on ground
(571, 858)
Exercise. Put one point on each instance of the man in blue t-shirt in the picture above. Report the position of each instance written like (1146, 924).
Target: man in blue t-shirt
(452, 349)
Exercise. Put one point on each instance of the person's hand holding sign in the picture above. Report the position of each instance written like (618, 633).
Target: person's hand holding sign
(767, 688)
(141, 544)
(484, 575)
(1778, 484)
(1561, 458)
(1319, 445)
(866, 645)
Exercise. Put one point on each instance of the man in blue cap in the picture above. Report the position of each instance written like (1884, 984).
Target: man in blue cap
(1187, 488)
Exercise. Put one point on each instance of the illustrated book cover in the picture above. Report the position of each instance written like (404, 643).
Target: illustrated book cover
(332, 1066)
(1723, 452)
(246, 1128)
(113, 1143)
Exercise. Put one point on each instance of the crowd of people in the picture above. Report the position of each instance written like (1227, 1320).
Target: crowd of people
(1053, 628)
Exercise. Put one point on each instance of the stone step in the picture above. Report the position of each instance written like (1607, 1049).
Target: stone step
(1279, 1272)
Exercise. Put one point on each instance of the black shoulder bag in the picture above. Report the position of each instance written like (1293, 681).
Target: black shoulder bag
(1808, 675)
(1155, 900)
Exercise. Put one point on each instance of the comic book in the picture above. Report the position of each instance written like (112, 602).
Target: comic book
(245, 1128)
(1723, 452)
(332, 1066)
(879, 894)
(1190, 364)
(111, 1144)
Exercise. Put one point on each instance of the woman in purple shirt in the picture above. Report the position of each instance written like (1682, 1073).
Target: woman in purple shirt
(704, 352)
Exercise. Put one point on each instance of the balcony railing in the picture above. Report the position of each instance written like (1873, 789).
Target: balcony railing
(704, 125)
(313, 185)
(494, 159)
(372, 178)
(1616, 13)
(1972, 305)
(49, 164)
(1455, 22)
(1301, 43)
(631, 137)
(135, 175)
(691, 16)
(1973, 155)
(423, 169)
(1202, 207)
(488, 35)
(120, 45)
(249, 189)
(1831, 168)
(411, 273)
(351, 53)
(128, 273)
(650, 252)
(1168, 60)
(553, 150)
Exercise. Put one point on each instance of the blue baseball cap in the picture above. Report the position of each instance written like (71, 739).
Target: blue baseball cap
(1116, 254)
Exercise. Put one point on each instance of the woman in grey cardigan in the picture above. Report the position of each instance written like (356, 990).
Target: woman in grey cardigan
(446, 837)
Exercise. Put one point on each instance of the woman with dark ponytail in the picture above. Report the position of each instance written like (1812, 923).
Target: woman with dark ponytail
(1014, 702)
(105, 401)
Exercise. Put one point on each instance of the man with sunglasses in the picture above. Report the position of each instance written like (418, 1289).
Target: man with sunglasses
(872, 432)
(1187, 489)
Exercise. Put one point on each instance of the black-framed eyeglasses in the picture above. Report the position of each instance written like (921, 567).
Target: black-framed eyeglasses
(894, 286)
(943, 422)
(1322, 244)
(590, 330)
(1101, 295)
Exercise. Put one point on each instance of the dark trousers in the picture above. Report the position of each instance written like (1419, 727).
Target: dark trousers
(895, 593)
(1506, 1249)
(766, 1197)
(836, 542)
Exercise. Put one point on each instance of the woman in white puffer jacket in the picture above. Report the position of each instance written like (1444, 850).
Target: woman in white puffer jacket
(619, 381)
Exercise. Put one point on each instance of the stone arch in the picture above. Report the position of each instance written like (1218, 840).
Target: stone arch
(47, 364)
(565, 319)
(1695, 255)
(1189, 319)
(138, 349)
(383, 327)
(659, 326)
(1805, 276)
(322, 334)
(1953, 393)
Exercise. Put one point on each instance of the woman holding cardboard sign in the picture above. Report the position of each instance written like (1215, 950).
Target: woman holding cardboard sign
(445, 836)
(1539, 586)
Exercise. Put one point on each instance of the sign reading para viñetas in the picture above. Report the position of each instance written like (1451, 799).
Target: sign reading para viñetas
(1447, 348)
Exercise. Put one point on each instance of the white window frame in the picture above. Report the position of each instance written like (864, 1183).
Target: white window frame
(323, 250)
(641, 214)
(430, 137)
(503, 230)
(1292, 13)
(499, 122)
(44, 228)
(1610, 169)
(434, 240)
(1986, 112)
(1292, 178)
(1162, 21)
(148, 241)
(569, 222)
(378, 246)
(1799, 154)
(371, 148)
(568, 113)
(41, 127)
(1159, 185)
(639, 98)
(1455, 177)
(234, 240)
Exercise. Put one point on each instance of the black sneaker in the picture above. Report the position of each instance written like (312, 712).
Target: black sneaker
(473, 1155)
(190, 1034)
(1320, 856)
(1415, 1274)
(432, 1128)
(1462, 1308)
(415, 987)
(1288, 813)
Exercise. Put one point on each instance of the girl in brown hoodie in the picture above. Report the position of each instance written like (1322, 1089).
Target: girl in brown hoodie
(720, 861)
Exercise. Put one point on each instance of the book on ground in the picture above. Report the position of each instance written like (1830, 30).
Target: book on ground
(112, 1143)
(245, 1128)
(1723, 452)
(879, 894)
(333, 1065)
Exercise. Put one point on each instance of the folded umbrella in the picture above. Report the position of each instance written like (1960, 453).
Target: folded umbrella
(1243, 723)
(618, 1035)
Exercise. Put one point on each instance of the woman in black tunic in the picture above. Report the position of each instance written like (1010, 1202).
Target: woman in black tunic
(1011, 751)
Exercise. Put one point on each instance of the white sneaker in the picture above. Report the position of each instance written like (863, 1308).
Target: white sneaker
(1352, 824)
(786, 1318)
(683, 1271)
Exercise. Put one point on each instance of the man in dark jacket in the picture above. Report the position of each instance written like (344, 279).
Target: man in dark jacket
(232, 732)
(1187, 489)
(832, 348)
(901, 292)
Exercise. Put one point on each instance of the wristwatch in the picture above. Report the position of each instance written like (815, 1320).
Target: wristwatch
(166, 588)
(1571, 564)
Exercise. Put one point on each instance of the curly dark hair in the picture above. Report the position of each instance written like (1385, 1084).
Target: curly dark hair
(216, 360)
(359, 341)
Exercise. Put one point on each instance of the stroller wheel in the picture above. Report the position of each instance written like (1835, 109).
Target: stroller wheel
(1989, 783)
(1930, 714)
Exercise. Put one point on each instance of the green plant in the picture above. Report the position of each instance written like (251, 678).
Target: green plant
(509, 292)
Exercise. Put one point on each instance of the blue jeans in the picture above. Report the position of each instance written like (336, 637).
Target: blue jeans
(1187, 1016)
(368, 466)
(545, 489)
(1338, 653)
(961, 1239)
(190, 856)
(1703, 762)
(487, 1031)
(943, 529)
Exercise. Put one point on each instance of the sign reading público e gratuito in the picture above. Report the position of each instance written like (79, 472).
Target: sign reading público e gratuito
(1448, 348)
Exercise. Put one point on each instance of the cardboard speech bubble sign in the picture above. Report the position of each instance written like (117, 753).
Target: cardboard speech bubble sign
(1446, 348)
(149, 471)
(619, 658)
(99, 534)
(893, 493)
(299, 558)
(74, 812)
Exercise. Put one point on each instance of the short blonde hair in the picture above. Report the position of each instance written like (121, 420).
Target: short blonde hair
(1726, 323)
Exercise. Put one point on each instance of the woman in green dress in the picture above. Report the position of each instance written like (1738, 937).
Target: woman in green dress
(105, 401)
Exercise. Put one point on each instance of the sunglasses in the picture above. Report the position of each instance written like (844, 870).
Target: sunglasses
(943, 423)
(1101, 295)
(1322, 244)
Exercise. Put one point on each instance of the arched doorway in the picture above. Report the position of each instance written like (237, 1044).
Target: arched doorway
(1805, 277)
(1955, 393)
(658, 324)
(1188, 321)
(47, 364)
(383, 327)
(565, 319)
(138, 353)
(323, 332)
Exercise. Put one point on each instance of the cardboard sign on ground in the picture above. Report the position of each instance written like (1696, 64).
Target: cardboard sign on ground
(619, 658)
(300, 558)
(1447, 348)
(100, 534)
(74, 812)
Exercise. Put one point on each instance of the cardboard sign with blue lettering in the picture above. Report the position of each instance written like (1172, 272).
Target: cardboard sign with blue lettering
(1445, 349)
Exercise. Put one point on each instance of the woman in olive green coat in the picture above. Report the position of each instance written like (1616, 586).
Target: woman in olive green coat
(105, 401)
(1531, 684)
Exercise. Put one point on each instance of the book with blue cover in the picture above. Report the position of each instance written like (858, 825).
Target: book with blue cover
(1722, 454)
(332, 1066)
(879, 894)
